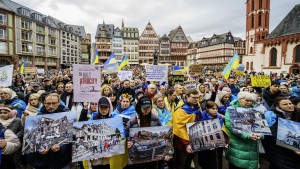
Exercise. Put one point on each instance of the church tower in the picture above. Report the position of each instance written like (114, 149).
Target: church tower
(257, 23)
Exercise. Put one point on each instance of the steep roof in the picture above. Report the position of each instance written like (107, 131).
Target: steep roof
(217, 39)
(289, 25)
(3, 6)
(164, 37)
(174, 32)
(80, 30)
(109, 29)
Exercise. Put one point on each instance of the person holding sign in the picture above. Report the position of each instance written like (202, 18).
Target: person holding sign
(280, 157)
(243, 147)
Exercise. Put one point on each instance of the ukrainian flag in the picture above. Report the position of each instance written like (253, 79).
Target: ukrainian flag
(124, 62)
(111, 59)
(180, 70)
(22, 68)
(233, 64)
(96, 58)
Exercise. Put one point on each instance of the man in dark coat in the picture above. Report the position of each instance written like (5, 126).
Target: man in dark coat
(271, 93)
(67, 95)
(126, 89)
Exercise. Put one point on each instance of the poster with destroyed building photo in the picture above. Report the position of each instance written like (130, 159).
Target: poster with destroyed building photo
(206, 135)
(248, 120)
(150, 144)
(44, 131)
(98, 138)
(288, 134)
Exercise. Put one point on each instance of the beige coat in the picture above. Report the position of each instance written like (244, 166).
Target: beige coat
(13, 143)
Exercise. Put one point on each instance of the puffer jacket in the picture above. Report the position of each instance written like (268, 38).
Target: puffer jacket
(279, 156)
(242, 151)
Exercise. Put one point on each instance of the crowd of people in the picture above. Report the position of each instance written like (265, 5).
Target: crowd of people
(149, 104)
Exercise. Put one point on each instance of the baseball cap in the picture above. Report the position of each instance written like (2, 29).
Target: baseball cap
(103, 101)
(46, 79)
(145, 102)
(36, 84)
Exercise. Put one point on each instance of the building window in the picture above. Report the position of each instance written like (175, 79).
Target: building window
(251, 66)
(252, 21)
(260, 4)
(25, 12)
(259, 19)
(40, 39)
(266, 19)
(26, 47)
(40, 29)
(26, 24)
(2, 18)
(297, 53)
(247, 66)
(3, 47)
(252, 5)
(251, 50)
(38, 17)
(273, 57)
(26, 36)
(2, 33)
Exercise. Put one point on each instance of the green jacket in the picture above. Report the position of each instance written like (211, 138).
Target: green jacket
(242, 151)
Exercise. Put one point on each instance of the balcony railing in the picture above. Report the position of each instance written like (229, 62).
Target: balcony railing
(40, 31)
(40, 52)
(27, 28)
(3, 36)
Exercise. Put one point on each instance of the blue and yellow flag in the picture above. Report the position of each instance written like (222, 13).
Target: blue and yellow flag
(180, 70)
(96, 58)
(233, 64)
(22, 68)
(240, 70)
(111, 59)
(124, 62)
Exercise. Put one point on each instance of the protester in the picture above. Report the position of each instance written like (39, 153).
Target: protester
(67, 96)
(280, 157)
(8, 96)
(170, 100)
(126, 90)
(272, 92)
(105, 90)
(160, 110)
(243, 147)
(151, 91)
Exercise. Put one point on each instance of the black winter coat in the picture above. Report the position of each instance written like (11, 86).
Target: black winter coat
(16, 127)
(278, 156)
(269, 97)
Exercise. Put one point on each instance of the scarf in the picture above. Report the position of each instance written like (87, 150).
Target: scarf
(192, 110)
(164, 116)
(285, 114)
(169, 106)
(31, 110)
(7, 122)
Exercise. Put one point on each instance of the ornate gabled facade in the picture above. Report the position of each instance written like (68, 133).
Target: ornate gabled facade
(179, 46)
(148, 43)
(7, 36)
(215, 52)
(164, 50)
(192, 53)
(85, 44)
(280, 51)
(131, 44)
(104, 36)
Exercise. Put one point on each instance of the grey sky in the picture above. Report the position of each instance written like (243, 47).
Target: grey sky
(198, 18)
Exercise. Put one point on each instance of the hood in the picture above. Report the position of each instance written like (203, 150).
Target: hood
(110, 105)
(219, 97)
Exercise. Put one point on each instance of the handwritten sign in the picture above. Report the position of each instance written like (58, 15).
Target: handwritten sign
(87, 83)
(190, 85)
(261, 81)
(6, 74)
(30, 70)
(176, 79)
(156, 72)
(123, 75)
(196, 69)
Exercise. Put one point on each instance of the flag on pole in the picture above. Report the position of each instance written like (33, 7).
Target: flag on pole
(22, 68)
(233, 63)
(111, 59)
(124, 62)
(96, 58)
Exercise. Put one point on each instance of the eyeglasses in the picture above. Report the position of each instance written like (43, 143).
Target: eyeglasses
(249, 101)
(51, 103)
(196, 98)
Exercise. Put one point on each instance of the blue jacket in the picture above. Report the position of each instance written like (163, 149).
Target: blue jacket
(206, 116)
(130, 111)
(18, 104)
(234, 89)
(295, 91)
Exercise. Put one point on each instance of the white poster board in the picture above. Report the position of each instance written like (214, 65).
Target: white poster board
(123, 75)
(156, 72)
(87, 83)
(6, 74)
(190, 85)
(41, 71)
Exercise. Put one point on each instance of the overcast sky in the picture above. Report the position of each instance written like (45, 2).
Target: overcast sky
(198, 18)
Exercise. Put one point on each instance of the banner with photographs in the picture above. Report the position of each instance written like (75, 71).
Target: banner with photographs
(98, 138)
(288, 134)
(150, 144)
(87, 83)
(44, 131)
(6, 74)
(248, 120)
(156, 72)
(205, 135)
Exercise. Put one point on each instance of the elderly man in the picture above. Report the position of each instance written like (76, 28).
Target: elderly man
(56, 156)
(151, 91)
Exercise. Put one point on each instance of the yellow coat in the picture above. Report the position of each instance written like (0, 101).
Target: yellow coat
(180, 119)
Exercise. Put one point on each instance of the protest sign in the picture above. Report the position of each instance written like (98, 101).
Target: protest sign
(123, 75)
(205, 135)
(288, 134)
(6, 74)
(190, 85)
(156, 72)
(176, 79)
(98, 138)
(150, 144)
(87, 83)
(248, 120)
(196, 69)
(260, 81)
(44, 131)
(30, 70)
(41, 71)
